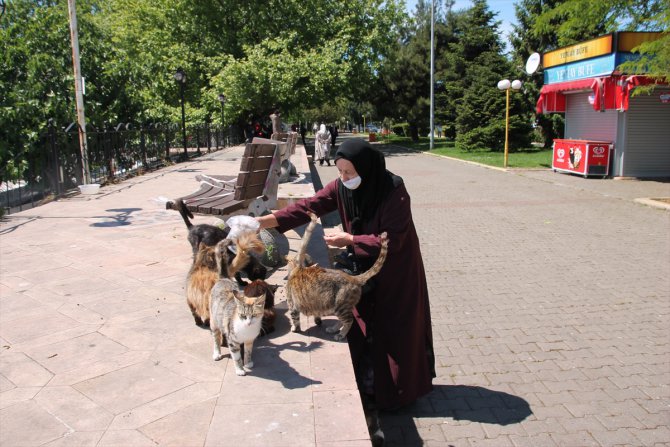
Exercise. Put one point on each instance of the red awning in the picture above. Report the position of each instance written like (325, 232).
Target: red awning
(552, 98)
(609, 92)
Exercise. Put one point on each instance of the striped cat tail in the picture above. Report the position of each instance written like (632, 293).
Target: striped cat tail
(302, 253)
(377, 266)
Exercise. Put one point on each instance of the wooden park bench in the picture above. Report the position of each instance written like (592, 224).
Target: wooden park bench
(252, 192)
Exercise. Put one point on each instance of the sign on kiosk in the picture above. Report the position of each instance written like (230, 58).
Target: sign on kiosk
(582, 157)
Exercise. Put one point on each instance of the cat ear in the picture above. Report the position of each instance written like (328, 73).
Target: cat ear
(202, 246)
(260, 300)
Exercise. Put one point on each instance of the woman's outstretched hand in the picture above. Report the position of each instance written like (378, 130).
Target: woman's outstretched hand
(267, 221)
(339, 239)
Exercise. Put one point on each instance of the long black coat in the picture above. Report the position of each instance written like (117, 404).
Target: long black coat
(397, 309)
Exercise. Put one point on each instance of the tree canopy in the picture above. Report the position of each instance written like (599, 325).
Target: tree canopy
(315, 60)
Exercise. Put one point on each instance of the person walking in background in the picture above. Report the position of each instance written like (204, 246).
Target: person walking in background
(303, 131)
(322, 145)
(333, 137)
(391, 342)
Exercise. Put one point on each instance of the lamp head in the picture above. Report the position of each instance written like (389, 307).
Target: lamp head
(222, 98)
(516, 84)
(179, 75)
(504, 84)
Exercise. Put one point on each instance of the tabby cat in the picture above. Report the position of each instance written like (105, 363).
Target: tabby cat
(203, 273)
(318, 291)
(259, 287)
(233, 315)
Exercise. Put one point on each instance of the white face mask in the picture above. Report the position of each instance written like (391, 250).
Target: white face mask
(353, 183)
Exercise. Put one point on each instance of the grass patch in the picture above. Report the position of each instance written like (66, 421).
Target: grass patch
(529, 158)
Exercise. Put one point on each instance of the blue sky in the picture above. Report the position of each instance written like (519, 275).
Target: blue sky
(504, 8)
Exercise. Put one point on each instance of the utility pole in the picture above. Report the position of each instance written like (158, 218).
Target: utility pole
(78, 91)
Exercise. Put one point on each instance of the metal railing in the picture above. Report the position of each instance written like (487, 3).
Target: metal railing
(54, 165)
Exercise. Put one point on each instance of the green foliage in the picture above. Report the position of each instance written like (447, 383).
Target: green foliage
(36, 81)
(576, 20)
(298, 55)
(400, 129)
(480, 115)
(654, 58)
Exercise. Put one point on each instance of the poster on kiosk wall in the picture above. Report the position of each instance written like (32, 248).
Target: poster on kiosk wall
(582, 157)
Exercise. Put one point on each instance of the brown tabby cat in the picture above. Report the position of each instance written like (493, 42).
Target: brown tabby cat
(317, 291)
(233, 315)
(259, 287)
(203, 273)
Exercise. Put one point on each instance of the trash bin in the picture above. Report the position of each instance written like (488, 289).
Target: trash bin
(372, 137)
(583, 157)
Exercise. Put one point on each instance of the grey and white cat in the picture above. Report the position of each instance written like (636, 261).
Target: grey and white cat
(233, 315)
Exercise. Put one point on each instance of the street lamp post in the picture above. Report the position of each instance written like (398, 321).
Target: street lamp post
(222, 100)
(180, 77)
(506, 85)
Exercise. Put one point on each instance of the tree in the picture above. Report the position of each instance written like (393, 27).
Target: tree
(258, 54)
(294, 54)
(405, 81)
(654, 58)
(578, 20)
(480, 118)
(36, 81)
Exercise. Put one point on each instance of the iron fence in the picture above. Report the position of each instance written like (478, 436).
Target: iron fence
(54, 164)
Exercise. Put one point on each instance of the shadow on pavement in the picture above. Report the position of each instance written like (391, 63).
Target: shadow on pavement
(455, 402)
(120, 219)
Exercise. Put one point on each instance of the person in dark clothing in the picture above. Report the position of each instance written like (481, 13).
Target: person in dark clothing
(391, 345)
(333, 137)
(303, 131)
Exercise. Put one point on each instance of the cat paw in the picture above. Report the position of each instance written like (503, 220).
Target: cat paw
(217, 357)
(340, 337)
(249, 365)
(240, 372)
(317, 321)
(295, 328)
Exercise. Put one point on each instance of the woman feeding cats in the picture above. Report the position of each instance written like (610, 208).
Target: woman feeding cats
(391, 342)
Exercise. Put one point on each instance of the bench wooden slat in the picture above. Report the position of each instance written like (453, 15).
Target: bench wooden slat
(250, 184)
(259, 150)
(204, 191)
(221, 206)
(256, 164)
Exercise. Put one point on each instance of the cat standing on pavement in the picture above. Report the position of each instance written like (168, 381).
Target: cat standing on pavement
(317, 291)
(233, 315)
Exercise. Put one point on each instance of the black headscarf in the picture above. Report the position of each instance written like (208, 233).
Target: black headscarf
(361, 203)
